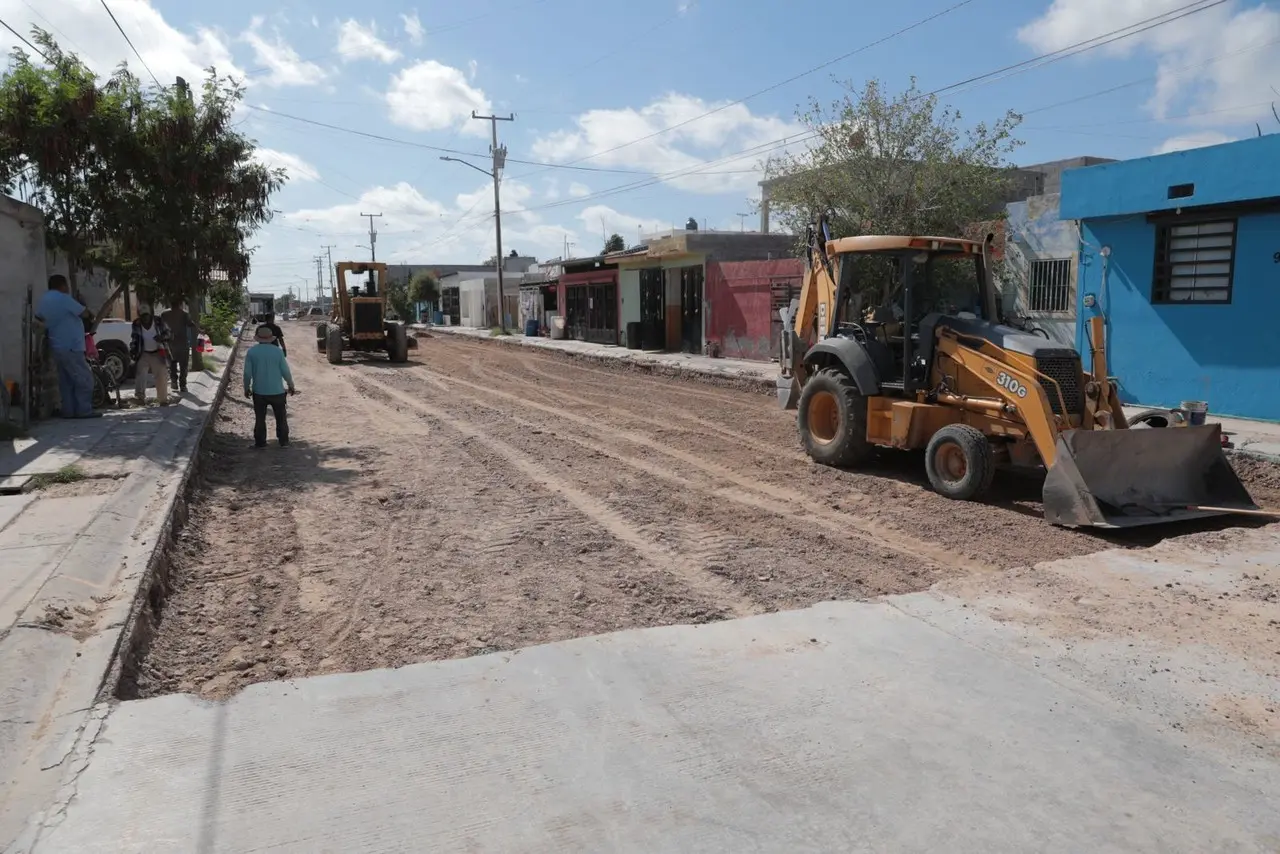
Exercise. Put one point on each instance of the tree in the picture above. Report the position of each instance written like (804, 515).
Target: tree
(59, 131)
(194, 193)
(615, 243)
(424, 287)
(893, 165)
(399, 301)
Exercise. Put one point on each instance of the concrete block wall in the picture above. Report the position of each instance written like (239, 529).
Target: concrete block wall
(22, 251)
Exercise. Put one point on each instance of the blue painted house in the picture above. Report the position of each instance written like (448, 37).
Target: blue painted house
(1180, 253)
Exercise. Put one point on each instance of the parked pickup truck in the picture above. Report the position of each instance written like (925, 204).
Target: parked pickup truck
(112, 338)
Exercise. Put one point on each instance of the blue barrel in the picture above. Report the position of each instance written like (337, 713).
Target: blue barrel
(438, 318)
(531, 327)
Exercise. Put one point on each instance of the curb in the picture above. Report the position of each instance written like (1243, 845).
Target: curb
(627, 363)
(141, 618)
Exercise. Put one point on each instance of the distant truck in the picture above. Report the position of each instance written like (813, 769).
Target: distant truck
(261, 306)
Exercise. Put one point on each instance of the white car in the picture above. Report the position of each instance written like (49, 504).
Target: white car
(112, 337)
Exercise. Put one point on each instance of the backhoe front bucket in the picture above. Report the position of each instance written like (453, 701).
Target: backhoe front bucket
(1126, 478)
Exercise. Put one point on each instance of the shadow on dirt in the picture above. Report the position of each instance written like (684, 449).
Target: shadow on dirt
(1019, 491)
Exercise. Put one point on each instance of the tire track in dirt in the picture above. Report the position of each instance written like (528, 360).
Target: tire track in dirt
(749, 491)
(614, 523)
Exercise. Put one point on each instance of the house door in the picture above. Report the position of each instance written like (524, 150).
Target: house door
(781, 293)
(576, 302)
(691, 309)
(653, 321)
(602, 314)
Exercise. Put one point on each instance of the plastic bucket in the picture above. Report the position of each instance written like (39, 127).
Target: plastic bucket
(1197, 412)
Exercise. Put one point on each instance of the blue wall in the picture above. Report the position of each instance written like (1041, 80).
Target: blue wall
(1232, 172)
(1228, 354)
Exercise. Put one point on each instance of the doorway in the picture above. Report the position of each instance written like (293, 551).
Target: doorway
(653, 334)
(691, 309)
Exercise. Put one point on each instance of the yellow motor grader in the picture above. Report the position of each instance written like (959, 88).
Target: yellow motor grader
(359, 317)
(933, 367)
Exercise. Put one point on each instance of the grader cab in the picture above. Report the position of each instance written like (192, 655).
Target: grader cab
(359, 319)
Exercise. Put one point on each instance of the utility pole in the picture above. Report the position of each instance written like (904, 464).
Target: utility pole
(319, 275)
(499, 161)
(742, 221)
(373, 236)
(329, 252)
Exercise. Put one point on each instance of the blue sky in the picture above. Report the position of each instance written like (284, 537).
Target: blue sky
(583, 77)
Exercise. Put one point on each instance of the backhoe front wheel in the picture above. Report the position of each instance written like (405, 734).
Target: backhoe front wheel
(832, 418)
(959, 462)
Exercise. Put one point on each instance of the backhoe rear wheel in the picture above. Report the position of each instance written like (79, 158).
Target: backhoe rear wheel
(322, 336)
(959, 462)
(832, 418)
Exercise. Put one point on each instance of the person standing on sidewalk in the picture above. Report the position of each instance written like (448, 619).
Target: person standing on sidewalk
(64, 318)
(268, 382)
(148, 345)
(183, 333)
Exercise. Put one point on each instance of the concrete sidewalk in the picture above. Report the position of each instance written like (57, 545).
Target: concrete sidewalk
(72, 557)
(914, 724)
(1261, 438)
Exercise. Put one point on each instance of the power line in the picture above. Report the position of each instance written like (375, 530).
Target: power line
(130, 41)
(1080, 47)
(778, 85)
(971, 83)
(23, 39)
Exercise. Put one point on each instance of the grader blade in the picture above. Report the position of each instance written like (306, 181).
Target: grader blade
(1128, 478)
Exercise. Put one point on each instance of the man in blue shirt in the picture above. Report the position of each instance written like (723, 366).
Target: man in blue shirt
(266, 377)
(64, 320)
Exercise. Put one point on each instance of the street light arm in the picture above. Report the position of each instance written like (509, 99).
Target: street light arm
(484, 172)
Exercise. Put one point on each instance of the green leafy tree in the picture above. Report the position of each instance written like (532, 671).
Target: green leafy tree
(194, 193)
(398, 299)
(615, 243)
(424, 287)
(893, 164)
(59, 135)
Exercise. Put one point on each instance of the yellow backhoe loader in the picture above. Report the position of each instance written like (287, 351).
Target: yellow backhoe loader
(359, 317)
(932, 367)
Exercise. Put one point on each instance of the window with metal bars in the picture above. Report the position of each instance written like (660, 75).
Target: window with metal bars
(1049, 286)
(1195, 262)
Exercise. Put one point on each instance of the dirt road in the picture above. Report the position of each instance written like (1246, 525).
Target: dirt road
(481, 498)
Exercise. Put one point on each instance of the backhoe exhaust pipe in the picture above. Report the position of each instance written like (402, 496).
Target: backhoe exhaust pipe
(1128, 478)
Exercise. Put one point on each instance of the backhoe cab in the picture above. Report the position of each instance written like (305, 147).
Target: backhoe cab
(897, 342)
(359, 318)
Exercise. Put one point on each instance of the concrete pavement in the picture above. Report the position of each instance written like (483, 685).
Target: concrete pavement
(1261, 438)
(914, 724)
(72, 558)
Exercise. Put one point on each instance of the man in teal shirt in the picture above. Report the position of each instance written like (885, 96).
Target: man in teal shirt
(64, 320)
(267, 378)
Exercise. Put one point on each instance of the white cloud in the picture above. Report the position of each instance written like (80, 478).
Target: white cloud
(1207, 61)
(1193, 140)
(315, 22)
(402, 207)
(432, 96)
(297, 168)
(728, 131)
(413, 27)
(81, 26)
(472, 67)
(356, 41)
(521, 79)
(579, 190)
(602, 218)
(282, 62)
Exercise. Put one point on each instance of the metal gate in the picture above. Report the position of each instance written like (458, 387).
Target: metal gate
(653, 334)
(691, 309)
(781, 293)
